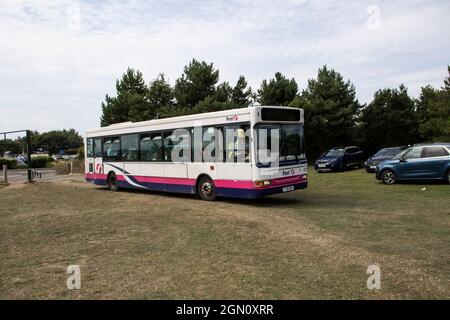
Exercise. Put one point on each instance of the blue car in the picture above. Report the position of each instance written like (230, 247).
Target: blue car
(424, 162)
(380, 156)
(340, 158)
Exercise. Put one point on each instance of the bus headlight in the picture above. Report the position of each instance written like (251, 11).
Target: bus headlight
(262, 183)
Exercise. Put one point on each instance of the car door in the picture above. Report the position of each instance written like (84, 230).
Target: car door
(347, 158)
(408, 166)
(433, 162)
(359, 155)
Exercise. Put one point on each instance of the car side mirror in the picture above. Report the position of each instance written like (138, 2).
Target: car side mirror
(402, 159)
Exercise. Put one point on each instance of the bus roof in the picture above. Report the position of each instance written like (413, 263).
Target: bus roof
(179, 119)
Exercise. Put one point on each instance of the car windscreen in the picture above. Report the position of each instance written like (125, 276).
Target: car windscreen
(388, 152)
(401, 154)
(334, 153)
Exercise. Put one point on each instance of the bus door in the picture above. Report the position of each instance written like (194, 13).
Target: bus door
(96, 161)
(89, 162)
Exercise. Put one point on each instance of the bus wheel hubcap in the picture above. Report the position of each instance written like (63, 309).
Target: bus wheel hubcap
(207, 188)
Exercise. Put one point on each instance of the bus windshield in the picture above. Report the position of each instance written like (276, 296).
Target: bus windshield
(290, 143)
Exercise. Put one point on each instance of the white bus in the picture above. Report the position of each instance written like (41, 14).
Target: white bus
(240, 153)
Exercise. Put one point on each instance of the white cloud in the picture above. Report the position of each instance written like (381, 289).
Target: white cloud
(59, 58)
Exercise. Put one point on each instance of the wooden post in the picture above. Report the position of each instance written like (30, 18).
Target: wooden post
(30, 178)
(5, 173)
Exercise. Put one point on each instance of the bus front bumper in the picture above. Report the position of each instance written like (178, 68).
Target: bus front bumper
(259, 192)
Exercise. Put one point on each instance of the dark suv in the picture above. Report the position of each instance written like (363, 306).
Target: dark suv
(380, 156)
(340, 158)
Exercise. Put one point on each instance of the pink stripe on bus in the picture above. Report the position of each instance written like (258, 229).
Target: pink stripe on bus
(182, 181)
(236, 184)
(232, 184)
(95, 176)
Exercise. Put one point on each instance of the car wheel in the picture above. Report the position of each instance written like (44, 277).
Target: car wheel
(112, 182)
(341, 166)
(206, 189)
(448, 176)
(388, 177)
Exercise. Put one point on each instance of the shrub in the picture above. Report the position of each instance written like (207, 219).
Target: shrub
(41, 162)
(11, 163)
(63, 167)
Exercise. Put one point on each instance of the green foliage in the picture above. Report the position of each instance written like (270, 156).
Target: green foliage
(11, 163)
(241, 95)
(14, 146)
(196, 83)
(131, 102)
(390, 119)
(222, 93)
(160, 98)
(55, 140)
(330, 106)
(433, 108)
(80, 153)
(41, 161)
(333, 115)
(279, 91)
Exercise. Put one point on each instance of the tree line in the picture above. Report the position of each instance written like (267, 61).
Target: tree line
(333, 114)
(52, 142)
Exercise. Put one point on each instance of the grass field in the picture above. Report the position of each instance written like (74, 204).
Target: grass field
(307, 244)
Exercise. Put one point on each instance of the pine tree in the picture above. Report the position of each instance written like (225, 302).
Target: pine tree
(241, 95)
(279, 91)
(390, 119)
(130, 103)
(433, 108)
(195, 84)
(330, 107)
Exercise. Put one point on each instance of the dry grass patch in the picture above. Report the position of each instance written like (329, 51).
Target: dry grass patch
(306, 244)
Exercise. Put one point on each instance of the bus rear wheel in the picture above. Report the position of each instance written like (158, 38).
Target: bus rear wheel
(112, 182)
(206, 189)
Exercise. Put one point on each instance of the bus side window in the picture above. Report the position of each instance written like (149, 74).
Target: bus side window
(168, 146)
(151, 147)
(90, 148)
(237, 143)
(130, 147)
(98, 147)
(111, 149)
(208, 144)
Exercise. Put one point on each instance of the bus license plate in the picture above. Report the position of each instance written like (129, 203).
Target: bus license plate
(287, 189)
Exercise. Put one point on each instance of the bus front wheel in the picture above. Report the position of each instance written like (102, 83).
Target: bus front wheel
(206, 189)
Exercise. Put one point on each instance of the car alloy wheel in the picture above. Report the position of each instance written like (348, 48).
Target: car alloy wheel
(389, 177)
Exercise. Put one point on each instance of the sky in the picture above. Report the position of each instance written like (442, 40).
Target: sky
(58, 59)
